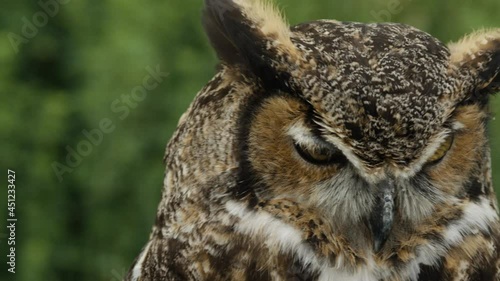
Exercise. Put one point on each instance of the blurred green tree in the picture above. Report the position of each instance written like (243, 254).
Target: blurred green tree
(69, 65)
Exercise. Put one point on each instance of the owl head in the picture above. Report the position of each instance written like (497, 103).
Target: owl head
(372, 125)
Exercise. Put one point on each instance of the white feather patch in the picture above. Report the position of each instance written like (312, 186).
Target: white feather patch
(274, 232)
(477, 217)
(137, 271)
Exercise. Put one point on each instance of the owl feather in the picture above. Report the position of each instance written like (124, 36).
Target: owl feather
(330, 151)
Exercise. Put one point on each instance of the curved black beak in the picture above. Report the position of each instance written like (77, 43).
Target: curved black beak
(382, 217)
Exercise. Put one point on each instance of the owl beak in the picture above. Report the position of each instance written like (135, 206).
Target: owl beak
(382, 217)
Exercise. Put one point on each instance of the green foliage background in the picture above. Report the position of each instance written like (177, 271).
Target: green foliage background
(92, 224)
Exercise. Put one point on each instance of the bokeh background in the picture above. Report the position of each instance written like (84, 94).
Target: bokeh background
(71, 69)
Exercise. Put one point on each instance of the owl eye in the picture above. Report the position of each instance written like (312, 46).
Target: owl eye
(319, 155)
(442, 150)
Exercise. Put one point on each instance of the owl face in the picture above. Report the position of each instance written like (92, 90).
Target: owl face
(382, 120)
(290, 157)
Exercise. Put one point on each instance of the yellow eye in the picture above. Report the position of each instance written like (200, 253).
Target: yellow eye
(320, 155)
(442, 150)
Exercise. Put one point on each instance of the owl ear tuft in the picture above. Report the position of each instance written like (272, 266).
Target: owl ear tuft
(249, 33)
(478, 56)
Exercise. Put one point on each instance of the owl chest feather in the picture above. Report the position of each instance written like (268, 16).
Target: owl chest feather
(278, 240)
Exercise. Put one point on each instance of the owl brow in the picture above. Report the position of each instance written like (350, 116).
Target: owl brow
(309, 139)
(313, 119)
(319, 128)
(452, 124)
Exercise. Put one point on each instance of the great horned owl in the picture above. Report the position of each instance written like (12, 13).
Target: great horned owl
(330, 151)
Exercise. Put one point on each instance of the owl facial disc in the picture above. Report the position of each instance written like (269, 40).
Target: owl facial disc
(382, 216)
